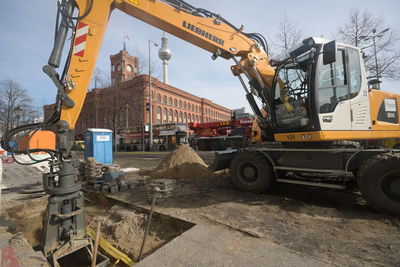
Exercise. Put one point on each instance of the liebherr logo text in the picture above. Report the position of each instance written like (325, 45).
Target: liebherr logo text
(203, 33)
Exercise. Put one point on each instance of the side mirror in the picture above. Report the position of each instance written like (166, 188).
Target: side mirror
(329, 54)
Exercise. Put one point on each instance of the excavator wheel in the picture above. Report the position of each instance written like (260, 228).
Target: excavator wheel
(251, 172)
(379, 182)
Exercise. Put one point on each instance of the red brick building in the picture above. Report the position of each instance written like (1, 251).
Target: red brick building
(123, 104)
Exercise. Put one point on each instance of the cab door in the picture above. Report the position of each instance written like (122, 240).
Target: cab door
(360, 105)
(332, 89)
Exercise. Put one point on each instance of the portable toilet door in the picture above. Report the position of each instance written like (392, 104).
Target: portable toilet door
(98, 144)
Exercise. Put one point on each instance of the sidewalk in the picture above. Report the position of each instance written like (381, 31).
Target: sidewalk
(206, 245)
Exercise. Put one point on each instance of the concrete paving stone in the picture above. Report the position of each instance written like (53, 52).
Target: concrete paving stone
(205, 245)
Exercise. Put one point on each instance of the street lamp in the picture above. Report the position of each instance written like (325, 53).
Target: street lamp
(150, 99)
(18, 113)
(374, 35)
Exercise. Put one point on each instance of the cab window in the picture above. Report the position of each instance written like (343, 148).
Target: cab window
(332, 83)
(354, 72)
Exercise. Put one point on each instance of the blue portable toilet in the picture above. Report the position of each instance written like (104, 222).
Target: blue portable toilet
(98, 145)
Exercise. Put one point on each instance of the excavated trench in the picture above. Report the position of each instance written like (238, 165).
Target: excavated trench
(123, 227)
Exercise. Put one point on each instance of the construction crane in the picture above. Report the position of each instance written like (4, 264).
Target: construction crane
(317, 111)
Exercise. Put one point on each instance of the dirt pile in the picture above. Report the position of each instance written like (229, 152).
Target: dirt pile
(124, 229)
(182, 164)
(27, 218)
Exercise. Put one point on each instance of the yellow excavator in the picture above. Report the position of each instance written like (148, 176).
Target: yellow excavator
(318, 115)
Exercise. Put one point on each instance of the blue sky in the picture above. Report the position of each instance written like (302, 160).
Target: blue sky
(27, 30)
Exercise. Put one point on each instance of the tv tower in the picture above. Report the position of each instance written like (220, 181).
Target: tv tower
(164, 54)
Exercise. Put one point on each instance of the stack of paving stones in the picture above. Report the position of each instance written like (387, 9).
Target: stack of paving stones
(111, 168)
(108, 178)
(82, 170)
(166, 188)
(93, 170)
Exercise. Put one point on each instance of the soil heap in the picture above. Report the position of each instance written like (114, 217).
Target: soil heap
(182, 164)
(27, 217)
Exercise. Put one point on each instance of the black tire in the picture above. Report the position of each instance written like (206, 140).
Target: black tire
(379, 182)
(251, 172)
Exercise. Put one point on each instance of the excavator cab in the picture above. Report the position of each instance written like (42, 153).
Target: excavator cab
(321, 89)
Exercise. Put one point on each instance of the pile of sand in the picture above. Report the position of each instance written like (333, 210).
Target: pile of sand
(182, 164)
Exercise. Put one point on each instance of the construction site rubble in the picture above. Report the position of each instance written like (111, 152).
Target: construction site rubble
(108, 178)
(164, 189)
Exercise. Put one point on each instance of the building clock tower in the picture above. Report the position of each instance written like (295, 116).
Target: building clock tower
(124, 67)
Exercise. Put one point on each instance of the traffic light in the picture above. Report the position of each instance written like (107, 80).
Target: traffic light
(147, 107)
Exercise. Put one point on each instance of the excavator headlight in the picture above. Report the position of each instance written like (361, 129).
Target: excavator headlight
(309, 41)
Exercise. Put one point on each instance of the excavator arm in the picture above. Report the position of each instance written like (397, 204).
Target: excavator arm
(196, 26)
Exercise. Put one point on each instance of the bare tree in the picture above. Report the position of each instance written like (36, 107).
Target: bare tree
(12, 98)
(100, 79)
(361, 24)
(287, 37)
(143, 64)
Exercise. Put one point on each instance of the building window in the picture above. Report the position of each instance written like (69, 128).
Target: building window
(184, 105)
(164, 100)
(126, 117)
(132, 117)
(192, 107)
(175, 116)
(158, 98)
(180, 117)
(170, 101)
(121, 119)
(165, 114)
(197, 118)
(175, 102)
(159, 115)
(185, 118)
(170, 115)
(180, 103)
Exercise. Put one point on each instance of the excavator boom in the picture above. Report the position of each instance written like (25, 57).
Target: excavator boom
(206, 31)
